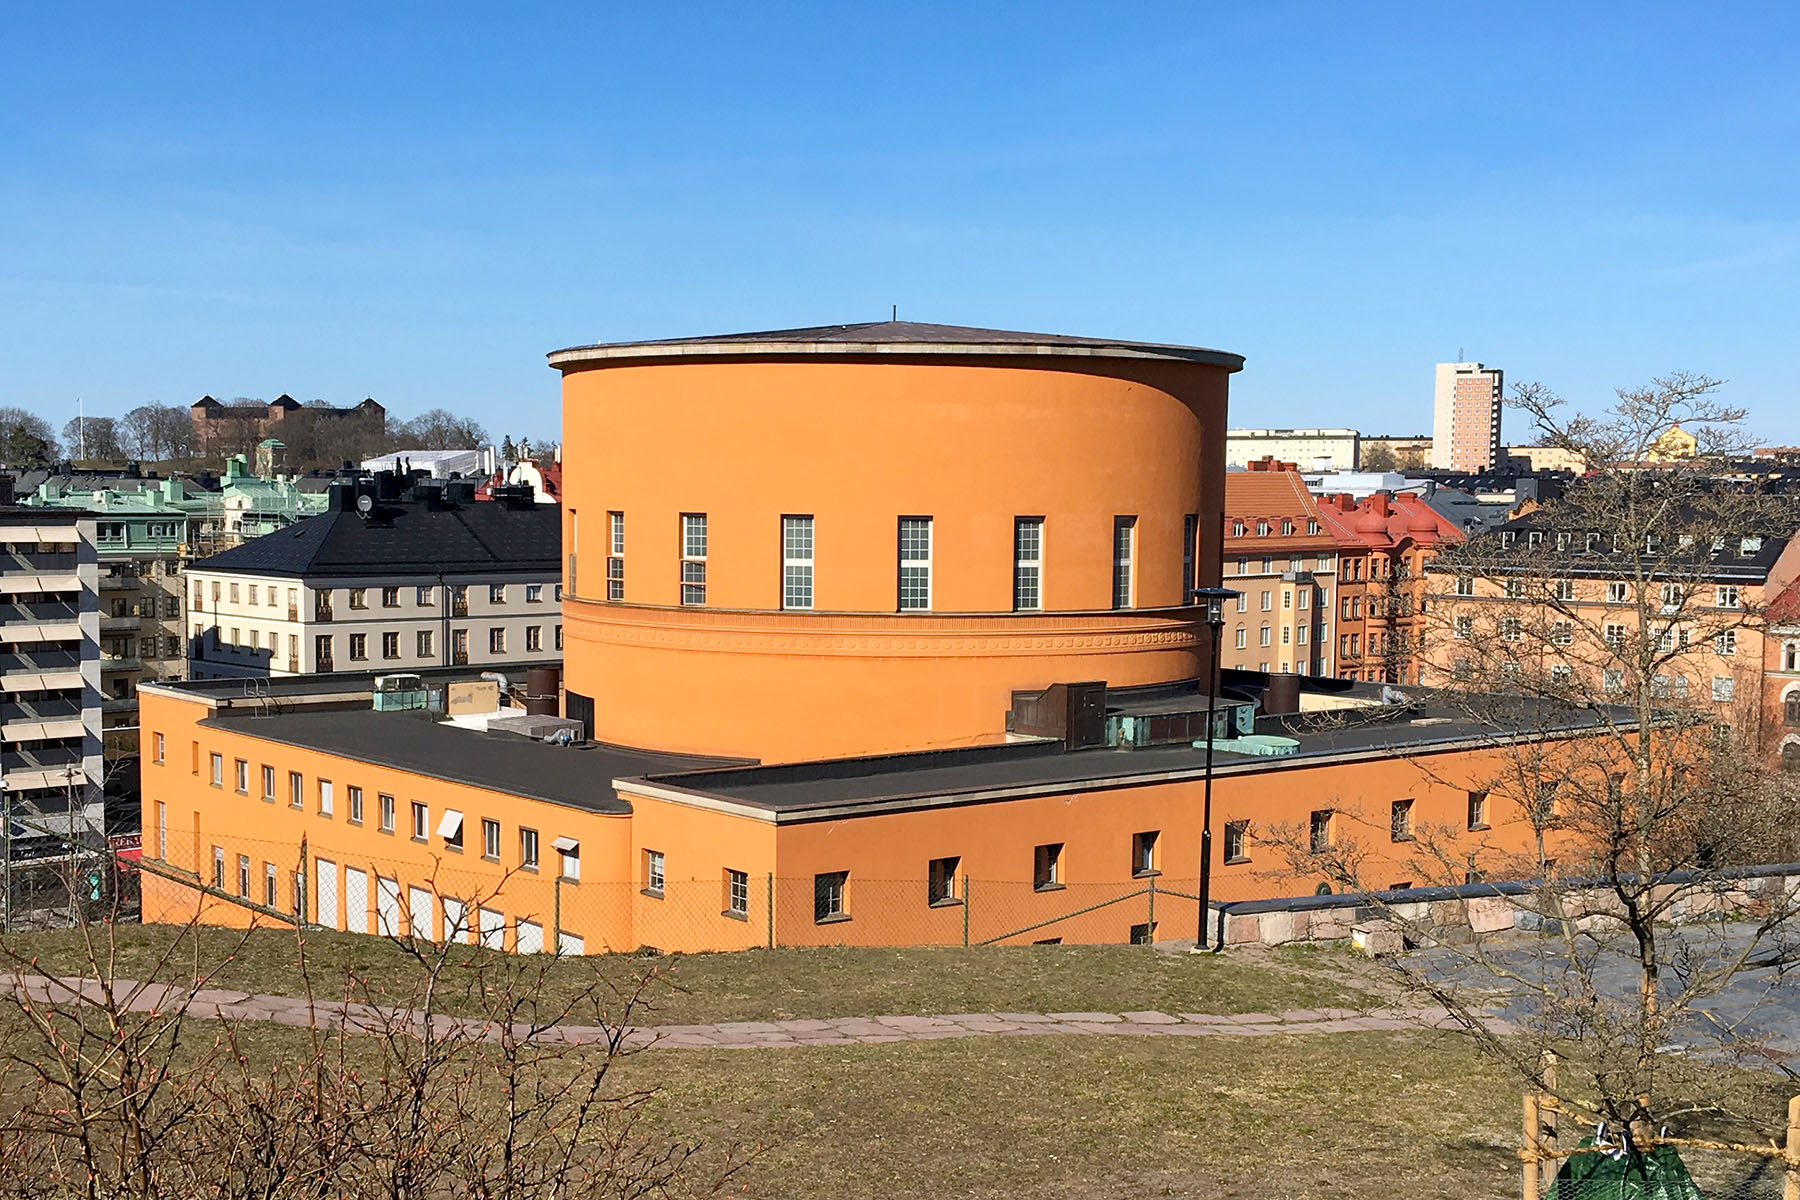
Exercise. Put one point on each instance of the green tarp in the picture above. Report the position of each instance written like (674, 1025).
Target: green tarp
(1633, 1175)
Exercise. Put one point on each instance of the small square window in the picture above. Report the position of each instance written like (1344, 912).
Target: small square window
(830, 895)
(737, 893)
(1237, 836)
(1478, 810)
(940, 886)
(1319, 831)
(1143, 853)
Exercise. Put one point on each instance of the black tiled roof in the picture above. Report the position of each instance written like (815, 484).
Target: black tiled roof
(580, 776)
(405, 537)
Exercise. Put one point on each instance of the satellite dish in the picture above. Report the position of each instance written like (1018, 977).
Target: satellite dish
(365, 504)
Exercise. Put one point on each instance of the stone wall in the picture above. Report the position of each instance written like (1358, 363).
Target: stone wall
(1389, 922)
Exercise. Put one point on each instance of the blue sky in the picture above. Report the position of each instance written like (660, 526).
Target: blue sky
(416, 202)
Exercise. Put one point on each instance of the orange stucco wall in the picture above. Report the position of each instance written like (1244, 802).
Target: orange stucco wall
(887, 855)
(200, 817)
(856, 445)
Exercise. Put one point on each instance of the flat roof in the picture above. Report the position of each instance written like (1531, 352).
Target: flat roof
(579, 776)
(847, 787)
(888, 339)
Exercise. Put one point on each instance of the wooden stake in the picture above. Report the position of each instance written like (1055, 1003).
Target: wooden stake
(1790, 1188)
(1548, 1107)
(1531, 1185)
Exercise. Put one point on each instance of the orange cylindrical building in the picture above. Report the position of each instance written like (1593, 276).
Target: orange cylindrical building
(860, 539)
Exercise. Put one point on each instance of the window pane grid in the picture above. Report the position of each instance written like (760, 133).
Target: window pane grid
(915, 563)
(1123, 530)
(693, 558)
(1028, 562)
(796, 562)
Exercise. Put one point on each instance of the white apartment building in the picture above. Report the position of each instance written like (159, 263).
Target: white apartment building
(384, 580)
(51, 766)
(1308, 449)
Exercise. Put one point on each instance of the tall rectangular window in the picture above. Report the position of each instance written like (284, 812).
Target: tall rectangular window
(796, 562)
(490, 838)
(528, 849)
(1028, 563)
(615, 557)
(355, 800)
(915, 564)
(737, 893)
(1190, 538)
(1046, 866)
(693, 558)
(1124, 534)
(940, 885)
(387, 812)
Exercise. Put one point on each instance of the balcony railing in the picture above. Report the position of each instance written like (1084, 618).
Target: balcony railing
(15, 562)
(42, 612)
(125, 624)
(121, 663)
(51, 709)
(41, 758)
(40, 660)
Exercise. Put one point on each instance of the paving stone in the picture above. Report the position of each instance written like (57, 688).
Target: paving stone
(748, 1027)
(797, 1026)
(1247, 1018)
(1151, 1018)
(1023, 1018)
(914, 1024)
(1204, 1018)
(1090, 1018)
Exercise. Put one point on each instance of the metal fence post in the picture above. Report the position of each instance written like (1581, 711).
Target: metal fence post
(556, 912)
(771, 910)
(301, 892)
(1150, 916)
(965, 899)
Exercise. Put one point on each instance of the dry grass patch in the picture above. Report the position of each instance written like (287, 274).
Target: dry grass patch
(762, 984)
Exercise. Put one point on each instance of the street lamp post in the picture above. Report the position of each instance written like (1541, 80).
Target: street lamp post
(1212, 602)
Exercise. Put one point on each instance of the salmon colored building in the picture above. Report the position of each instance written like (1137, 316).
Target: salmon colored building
(874, 634)
(1384, 545)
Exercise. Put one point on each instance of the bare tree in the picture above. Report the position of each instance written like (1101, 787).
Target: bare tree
(93, 437)
(439, 429)
(113, 1087)
(1604, 650)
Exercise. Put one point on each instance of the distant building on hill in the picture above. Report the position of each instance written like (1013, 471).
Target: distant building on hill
(215, 422)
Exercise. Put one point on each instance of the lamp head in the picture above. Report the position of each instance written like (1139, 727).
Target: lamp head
(1212, 603)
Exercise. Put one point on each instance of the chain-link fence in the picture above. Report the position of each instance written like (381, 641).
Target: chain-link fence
(551, 907)
(66, 882)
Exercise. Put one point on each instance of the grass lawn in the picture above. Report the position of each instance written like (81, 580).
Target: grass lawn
(762, 984)
(1395, 1116)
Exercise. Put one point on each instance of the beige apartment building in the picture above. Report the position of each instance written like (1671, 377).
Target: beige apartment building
(1568, 616)
(1282, 561)
(387, 579)
(1465, 417)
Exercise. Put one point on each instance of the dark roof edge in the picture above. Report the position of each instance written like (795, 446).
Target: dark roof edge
(624, 353)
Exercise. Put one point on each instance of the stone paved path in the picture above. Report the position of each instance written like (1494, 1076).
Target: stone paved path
(745, 1035)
